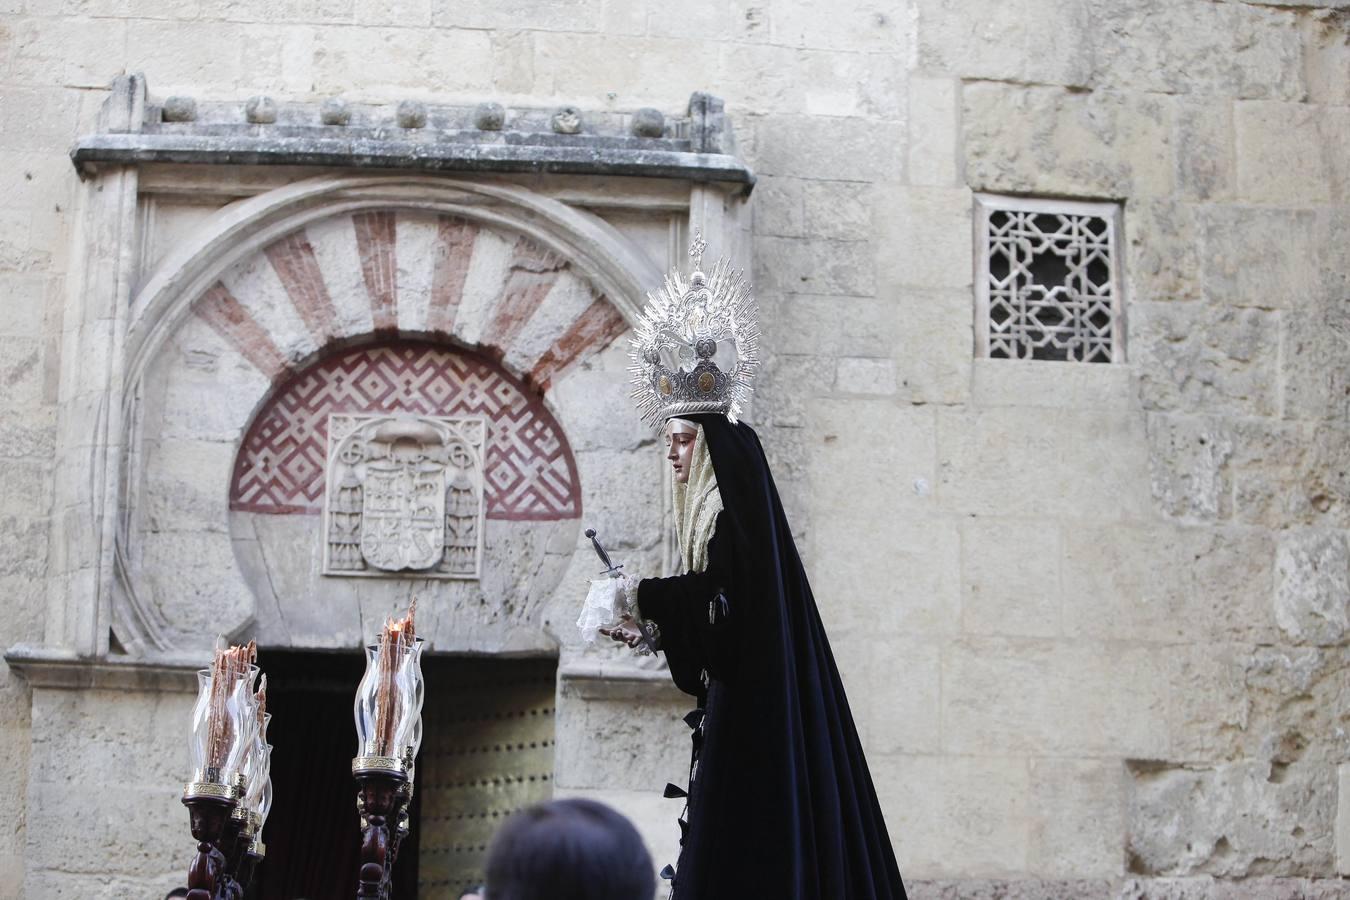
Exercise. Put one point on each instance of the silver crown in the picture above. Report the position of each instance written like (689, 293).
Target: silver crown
(697, 344)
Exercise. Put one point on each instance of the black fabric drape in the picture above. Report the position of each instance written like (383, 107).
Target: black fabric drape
(781, 802)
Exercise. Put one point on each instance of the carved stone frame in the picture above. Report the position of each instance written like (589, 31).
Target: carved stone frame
(113, 331)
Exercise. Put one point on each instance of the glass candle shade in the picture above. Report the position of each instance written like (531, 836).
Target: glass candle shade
(388, 708)
(257, 763)
(257, 775)
(224, 722)
(265, 795)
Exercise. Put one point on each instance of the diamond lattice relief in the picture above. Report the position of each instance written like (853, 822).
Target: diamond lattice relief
(1049, 284)
(526, 471)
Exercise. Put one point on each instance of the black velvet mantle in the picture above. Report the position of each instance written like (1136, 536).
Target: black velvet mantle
(781, 802)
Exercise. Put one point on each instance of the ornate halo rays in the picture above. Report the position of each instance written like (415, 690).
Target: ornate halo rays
(696, 348)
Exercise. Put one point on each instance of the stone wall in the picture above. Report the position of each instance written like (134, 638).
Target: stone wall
(1094, 620)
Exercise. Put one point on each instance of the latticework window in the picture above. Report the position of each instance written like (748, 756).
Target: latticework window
(1048, 280)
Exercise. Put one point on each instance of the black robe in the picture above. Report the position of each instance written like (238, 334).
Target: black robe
(781, 804)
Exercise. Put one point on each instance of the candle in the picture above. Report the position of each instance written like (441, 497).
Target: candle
(396, 637)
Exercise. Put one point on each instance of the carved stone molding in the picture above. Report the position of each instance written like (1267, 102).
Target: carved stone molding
(404, 495)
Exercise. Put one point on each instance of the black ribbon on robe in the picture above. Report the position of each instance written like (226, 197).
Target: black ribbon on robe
(781, 804)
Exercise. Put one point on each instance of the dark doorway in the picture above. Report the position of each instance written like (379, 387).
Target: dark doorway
(487, 750)
(313, 834)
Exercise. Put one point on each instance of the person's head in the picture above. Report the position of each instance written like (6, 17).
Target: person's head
(680, 437)
(472, 893)
(569, 850)
(176, 893)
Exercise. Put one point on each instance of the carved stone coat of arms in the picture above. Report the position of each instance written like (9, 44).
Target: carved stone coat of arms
(404, 494)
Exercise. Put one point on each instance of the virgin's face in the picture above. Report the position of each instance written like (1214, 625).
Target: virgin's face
(680, 437)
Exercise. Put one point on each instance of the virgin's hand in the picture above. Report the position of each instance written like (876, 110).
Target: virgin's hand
(626, 632)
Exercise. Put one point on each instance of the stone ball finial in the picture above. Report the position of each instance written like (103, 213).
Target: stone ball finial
(179, 109)
(261, 110)
(567, 120)
(489, 117)
(411, 114)
(335, 111)
(649, 123)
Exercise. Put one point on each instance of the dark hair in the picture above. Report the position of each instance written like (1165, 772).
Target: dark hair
(569, 850)
(176, 892)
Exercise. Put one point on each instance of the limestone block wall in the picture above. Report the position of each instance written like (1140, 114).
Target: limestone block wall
(1093, 619)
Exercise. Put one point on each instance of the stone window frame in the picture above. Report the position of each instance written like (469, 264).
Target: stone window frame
(1111, 212)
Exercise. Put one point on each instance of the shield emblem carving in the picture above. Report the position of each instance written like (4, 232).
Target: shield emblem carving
(403, 512)
(405, 494)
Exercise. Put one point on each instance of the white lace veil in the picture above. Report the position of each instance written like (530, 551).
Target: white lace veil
(697, 504)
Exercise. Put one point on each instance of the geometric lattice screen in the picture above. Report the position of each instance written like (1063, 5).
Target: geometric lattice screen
(1048, 280)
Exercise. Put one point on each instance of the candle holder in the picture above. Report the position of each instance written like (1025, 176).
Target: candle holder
(388, 715)
(225, 746)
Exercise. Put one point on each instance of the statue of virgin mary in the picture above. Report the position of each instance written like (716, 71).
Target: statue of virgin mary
(780, 803)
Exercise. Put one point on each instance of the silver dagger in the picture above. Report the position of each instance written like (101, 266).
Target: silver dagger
(645, 628)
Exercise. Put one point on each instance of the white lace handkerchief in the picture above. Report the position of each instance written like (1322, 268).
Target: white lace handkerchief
(606, 603)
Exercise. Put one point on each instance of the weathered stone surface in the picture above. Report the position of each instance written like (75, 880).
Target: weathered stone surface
(1198, 821)
(1010, 582)
(1047, 140)
(179, 109)
(921, 559)
(1032, 383)
(1272, 703)
(1225, 49)
(381, 61)
(1189, 467)
(1163, 262)
(933, 126)
(335, 111)
(838, 210)
(1273, 165)
(1197, 358)
(869, 457)
(852, 149)
(865, 375)
(1056, 697)
(260, 110)
(1321, 492)
(955, 814)
(922, 236)
(609, 743)
(1206, 159)
(905, 720)
(1343, 820)
(1222, 889)
(815, 267)
(932, 349)
(1269, 472)
(649, 122)
(778, 210)
(1018, 889)
(1077, 818)
(1327, 54)
(1011, 461)
(1045, 41)
(788, 81)
(1312, 586)
(1315, 388)
(1195, 584)
(806, 324)
(1262, 258)
(489, 117)
(411, 114)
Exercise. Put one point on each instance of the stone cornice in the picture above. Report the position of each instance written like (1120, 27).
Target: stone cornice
(46, 667)
(697, 147)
